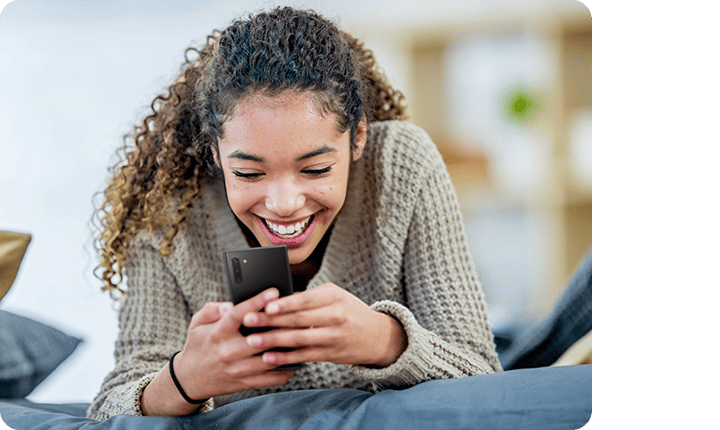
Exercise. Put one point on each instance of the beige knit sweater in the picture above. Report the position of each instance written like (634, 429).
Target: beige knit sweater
(398, 244)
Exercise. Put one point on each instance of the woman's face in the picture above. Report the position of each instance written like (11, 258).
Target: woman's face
(286, 170)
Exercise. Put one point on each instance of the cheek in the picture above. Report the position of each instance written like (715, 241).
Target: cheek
(334, 196)
(241, 198)
(335, 191)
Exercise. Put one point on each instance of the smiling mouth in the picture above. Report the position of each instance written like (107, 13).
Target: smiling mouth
(288, 231)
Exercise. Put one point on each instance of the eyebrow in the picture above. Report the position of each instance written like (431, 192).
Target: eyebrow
(244, 156)
(324, 149)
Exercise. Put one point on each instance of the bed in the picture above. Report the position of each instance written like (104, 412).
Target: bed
(541, 398)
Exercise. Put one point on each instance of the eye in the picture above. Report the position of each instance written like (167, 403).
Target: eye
(247, 176)
(317, 172)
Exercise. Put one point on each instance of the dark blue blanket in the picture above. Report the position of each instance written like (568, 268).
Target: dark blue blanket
(533, 399)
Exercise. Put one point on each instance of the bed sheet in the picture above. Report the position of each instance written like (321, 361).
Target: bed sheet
(540, 398)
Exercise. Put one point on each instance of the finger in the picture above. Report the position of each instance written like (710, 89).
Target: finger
(309, 299)
(236, 354)
(233, 319)
(304, 355)
(293, 339)
(319, 317)
(247, 367)
(210, 313)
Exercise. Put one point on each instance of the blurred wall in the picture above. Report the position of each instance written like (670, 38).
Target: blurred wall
(505, 90)
(502, 87)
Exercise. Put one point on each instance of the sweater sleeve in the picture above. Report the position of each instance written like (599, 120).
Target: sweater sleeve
(443, 313)
(153, 322)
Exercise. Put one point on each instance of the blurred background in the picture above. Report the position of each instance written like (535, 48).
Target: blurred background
(503, 88)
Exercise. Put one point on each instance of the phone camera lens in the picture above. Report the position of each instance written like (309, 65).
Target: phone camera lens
(237, 273)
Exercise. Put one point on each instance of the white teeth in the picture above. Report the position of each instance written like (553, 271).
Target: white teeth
(289, 231)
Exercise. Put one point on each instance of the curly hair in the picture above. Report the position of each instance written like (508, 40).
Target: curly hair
(169, 156)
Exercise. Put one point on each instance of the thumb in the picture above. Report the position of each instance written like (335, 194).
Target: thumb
(210, 313)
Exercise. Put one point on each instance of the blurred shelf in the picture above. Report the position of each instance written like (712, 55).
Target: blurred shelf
(561, 197)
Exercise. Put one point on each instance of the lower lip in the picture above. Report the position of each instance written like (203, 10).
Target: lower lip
(289, 242)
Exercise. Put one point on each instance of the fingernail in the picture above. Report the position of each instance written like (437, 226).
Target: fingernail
(272, 308)
(250, 319)
(268, 358)
(253, 340)
(224, 308)
(271, 294)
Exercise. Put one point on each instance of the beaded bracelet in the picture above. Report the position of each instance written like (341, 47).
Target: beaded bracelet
(177, 384)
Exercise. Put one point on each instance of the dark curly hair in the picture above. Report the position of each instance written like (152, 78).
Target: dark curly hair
(169, 155)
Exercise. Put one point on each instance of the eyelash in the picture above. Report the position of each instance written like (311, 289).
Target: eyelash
(318, 172)
(254, 176)
(247, 176)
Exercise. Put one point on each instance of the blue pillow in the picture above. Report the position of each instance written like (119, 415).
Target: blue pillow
(29, 352)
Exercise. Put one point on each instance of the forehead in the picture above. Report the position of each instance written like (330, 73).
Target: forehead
(260, 123)
(299, 106)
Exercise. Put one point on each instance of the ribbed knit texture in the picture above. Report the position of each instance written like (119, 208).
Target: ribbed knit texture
(398, 244)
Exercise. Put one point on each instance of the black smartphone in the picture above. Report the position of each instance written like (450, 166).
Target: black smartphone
(253, 270)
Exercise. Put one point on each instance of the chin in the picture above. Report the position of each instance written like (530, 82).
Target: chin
(297, 256)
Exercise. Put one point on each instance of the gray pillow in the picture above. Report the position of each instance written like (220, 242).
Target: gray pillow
(29, 352)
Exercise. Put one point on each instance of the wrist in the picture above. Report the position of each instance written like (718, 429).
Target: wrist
(179, 387)
(395, 344)
(162, 398)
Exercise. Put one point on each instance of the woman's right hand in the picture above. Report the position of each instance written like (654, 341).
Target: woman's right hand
(216, 360)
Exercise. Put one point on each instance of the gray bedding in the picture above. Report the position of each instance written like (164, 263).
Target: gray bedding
(537, 399)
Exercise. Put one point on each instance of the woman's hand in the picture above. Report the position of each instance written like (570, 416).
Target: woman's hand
(216, 360)
(326, 323)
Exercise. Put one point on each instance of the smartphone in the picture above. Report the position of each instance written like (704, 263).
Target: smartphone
(253, 270)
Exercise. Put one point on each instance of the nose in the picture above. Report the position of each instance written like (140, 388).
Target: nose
(284, 198)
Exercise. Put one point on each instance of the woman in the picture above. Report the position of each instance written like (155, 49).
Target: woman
(283, 131)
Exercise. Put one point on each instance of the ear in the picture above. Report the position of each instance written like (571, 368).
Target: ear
(360, 139)
(215, 157)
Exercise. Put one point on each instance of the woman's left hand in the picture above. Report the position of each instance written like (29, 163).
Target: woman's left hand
(327, 323)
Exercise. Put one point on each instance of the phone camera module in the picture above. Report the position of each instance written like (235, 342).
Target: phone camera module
(237, 272)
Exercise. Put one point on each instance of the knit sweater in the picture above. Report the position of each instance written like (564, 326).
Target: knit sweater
(398, 244)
